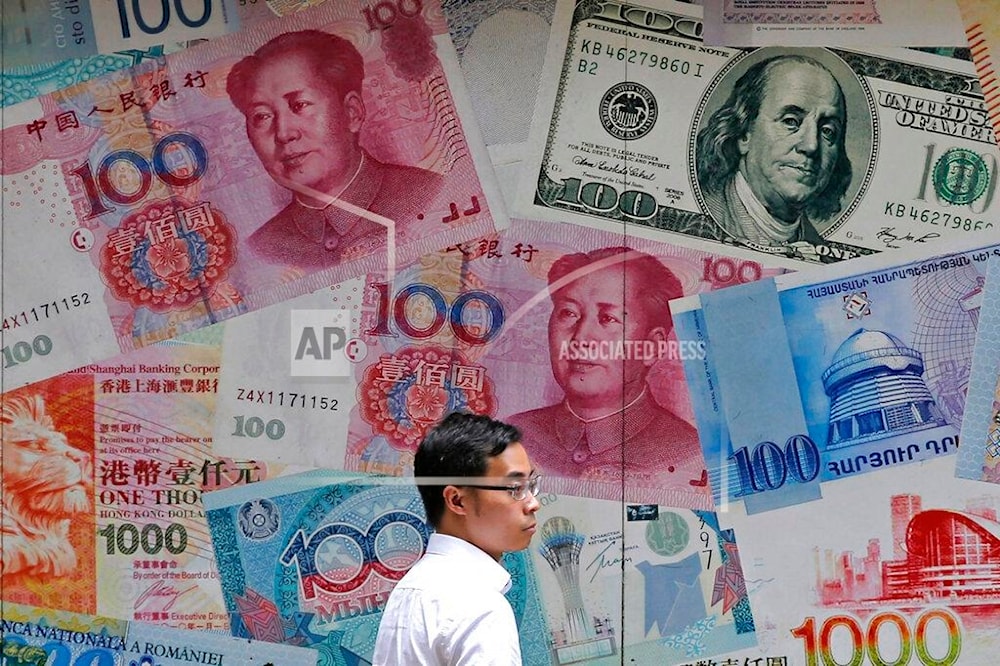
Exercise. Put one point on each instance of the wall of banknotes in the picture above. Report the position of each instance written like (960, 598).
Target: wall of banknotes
(732, 270)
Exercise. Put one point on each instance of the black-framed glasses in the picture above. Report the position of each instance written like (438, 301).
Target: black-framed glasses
(519, 491)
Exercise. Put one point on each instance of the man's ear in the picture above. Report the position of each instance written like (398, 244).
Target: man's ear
(743, 144)
(354, 109)
(658, 335)
(454, 500)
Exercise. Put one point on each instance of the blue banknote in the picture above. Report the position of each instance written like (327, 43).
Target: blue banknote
(42, 637)
(979, 457)
(812, 377)
(309, 560)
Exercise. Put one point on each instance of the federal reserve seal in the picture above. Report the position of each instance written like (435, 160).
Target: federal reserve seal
(961, 176)
(259, 519)
(628, 110)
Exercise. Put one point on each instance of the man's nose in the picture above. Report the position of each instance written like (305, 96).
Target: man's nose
(586, 328)
(286, 127)
(808, 139)
(531, 504)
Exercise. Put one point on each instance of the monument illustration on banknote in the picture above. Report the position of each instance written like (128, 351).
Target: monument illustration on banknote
(796, 171)
(809, 379)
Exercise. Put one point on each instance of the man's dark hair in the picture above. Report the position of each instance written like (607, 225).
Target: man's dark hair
(460, 446)
(332, 58)
(655, 284)
(718, 153)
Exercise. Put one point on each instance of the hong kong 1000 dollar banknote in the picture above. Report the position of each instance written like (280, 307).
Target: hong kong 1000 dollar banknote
(103, 471)
(638, 583)
(187, 190)
(898, 570)
(37, 636)
(529, 327)
(812, 378)
(310, 559)
(793, 154)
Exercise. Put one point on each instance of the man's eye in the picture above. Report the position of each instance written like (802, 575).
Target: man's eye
(790, 122)
(258, 118)
(298, 105)
(830, 133)
(566, 313)
(609, 319)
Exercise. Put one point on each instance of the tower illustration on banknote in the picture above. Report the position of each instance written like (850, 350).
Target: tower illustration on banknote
(561, 545)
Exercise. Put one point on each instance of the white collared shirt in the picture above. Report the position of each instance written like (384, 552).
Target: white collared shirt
(449, 610)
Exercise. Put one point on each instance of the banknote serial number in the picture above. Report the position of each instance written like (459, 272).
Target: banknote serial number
(45, 311)
(634, 57)
(936, 218)
(287, 399)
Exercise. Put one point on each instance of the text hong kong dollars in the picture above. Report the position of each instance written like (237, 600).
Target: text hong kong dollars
(796, 154)
(229, 176)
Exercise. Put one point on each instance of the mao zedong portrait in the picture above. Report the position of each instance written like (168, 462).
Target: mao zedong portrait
(608, 416)
(772, 161)
(301, 96)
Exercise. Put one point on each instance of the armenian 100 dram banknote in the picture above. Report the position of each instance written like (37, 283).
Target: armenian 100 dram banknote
(226, 177)
(789, 154)
(37, 637)
(103, 473)
(811, 378)
(528, 326)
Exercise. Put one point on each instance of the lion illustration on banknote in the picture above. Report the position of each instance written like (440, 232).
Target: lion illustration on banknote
(45, 483)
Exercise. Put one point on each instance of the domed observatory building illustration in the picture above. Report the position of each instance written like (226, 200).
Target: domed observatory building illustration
(876, 389)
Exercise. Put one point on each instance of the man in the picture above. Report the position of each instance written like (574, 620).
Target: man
(771, 162)
(449, 609)
(608, 421)
(301, 96)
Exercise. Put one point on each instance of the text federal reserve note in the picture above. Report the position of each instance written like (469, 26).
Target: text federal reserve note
(793, 154)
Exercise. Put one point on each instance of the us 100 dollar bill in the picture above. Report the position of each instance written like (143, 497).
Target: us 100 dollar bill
(799, 154)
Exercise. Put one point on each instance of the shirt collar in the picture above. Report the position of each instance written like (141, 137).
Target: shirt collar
(318, 224)
(492, 572)
(772, 227)
(607, 432)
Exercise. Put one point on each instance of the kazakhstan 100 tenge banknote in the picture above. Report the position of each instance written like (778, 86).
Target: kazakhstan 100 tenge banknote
(103, 473)
(226, 177)
(36, 637)
(310, 559)
(902, 570)
(815, 377)
(638, 583)
(979, 456)
(528, 327)
(793, 154)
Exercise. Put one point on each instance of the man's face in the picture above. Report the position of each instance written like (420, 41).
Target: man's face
(301, 129)
(589, 310)
(497, 523)
(792, 146)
